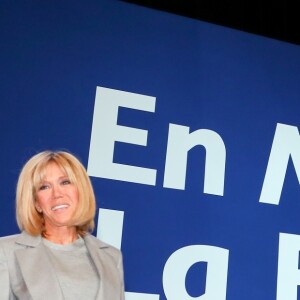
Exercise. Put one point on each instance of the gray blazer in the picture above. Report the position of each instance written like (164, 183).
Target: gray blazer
(27, 274)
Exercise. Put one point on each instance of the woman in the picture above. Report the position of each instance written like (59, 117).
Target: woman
(55, 257)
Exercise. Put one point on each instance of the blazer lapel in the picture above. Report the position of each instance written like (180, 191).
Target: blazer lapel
(107, 271)
(36, 269)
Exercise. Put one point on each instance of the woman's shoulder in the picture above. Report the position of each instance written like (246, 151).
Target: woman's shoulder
(9, 239)
(96, 241)
(19, 240)
(102, 245)
(7, 245)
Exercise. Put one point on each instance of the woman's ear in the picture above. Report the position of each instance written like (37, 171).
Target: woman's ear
(37, 207)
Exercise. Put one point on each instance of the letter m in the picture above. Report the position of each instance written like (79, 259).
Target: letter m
(286, 145)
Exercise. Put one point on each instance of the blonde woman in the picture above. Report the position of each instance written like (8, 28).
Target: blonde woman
(55, 256)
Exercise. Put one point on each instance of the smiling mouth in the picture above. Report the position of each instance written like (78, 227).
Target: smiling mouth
(57, 207)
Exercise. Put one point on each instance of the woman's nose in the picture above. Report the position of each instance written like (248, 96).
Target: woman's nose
(57, 191)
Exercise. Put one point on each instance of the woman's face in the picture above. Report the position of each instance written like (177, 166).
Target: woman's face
(57, 197)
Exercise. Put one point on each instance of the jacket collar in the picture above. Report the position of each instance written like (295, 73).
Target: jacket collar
(28, 240)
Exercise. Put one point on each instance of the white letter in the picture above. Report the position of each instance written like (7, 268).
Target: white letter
(180, 141)
(286, 143)
(288, 277)
(105, 132)
(110, 226)
(178, 264)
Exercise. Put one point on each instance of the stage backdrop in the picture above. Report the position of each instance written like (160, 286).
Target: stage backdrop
(189, 132)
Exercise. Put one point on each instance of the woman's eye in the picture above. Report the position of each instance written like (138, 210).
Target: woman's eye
(43, 187)
(65, 182)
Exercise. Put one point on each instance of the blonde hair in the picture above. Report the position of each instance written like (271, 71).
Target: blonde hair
(33, 172)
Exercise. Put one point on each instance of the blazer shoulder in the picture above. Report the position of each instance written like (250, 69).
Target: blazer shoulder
(9, 239)
(102, 245)
(19, 240)
(7, 246)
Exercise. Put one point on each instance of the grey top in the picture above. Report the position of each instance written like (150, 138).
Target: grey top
(75, 270)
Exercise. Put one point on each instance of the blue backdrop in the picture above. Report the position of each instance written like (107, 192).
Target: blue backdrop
(209, 114)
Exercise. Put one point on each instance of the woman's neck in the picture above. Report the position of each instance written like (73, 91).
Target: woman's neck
(61, 235)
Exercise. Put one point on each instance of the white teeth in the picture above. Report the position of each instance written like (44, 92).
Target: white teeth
(60, 206)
